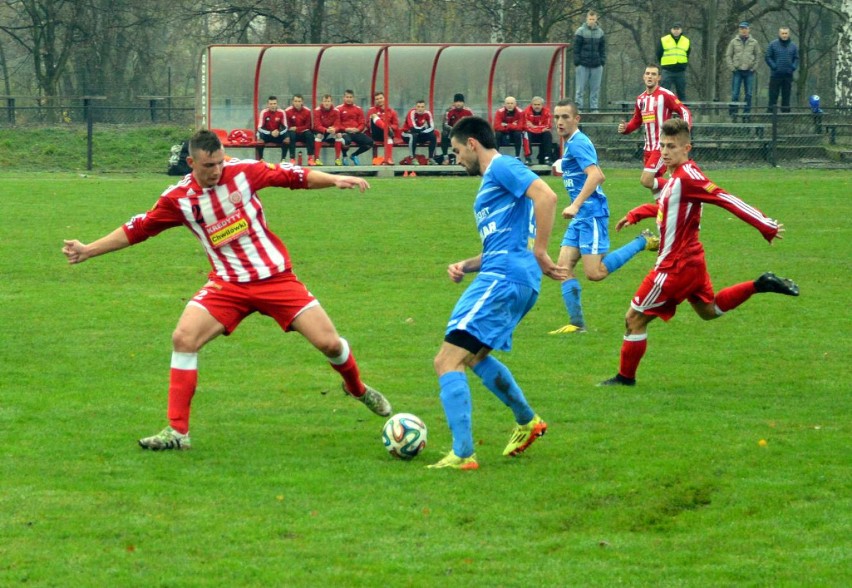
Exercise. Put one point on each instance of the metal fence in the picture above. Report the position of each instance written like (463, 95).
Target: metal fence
(757, 138)
(30, 112)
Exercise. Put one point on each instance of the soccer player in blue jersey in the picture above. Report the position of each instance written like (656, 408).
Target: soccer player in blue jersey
(587, 235)
(514, 209)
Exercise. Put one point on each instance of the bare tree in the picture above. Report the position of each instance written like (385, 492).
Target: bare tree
(48, 30)
(843, 80)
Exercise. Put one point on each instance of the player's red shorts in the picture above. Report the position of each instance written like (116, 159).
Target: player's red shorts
(282, 297)
(654, 163)
(660, 293)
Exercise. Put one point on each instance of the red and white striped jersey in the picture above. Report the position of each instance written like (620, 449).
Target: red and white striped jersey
(678, 213)
(652, 110)
(227, 219)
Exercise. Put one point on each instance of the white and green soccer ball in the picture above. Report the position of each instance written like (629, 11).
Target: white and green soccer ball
(404, 435)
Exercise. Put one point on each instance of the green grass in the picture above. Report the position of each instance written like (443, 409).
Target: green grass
(288, 484)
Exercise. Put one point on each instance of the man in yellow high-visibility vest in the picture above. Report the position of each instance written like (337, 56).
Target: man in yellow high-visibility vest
(673, 53)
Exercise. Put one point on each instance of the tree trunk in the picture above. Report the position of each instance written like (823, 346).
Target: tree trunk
(843, 80)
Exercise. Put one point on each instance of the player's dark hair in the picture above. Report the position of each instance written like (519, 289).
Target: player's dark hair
(298, 96)
(348, 92)
(272, 98)
(204, 140)
(571, 103)
(675, 127)
(655, 66)
(477, 128)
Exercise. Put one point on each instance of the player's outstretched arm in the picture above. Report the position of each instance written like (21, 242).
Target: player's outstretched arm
(318, 179)
(647, 210)
(78, 252)
(622, 222)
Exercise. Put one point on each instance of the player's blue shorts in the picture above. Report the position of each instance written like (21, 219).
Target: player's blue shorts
(490, 309)
(589, 235)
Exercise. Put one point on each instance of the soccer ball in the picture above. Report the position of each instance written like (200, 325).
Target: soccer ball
(404, 435)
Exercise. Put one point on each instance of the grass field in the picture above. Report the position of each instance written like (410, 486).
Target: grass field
(287, 483)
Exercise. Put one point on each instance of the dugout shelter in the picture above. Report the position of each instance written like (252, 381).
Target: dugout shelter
(235, 80)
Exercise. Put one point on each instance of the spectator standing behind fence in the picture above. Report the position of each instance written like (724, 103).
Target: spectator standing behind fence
(782, 57)
(327, 130)
(354, 124)
(537, 123)
(454, 114)
(299, 128)
(272, 126)
(419, 128)
(509, 125)
(384, 123)
(742, 57)
(673, 54)
(589, 60)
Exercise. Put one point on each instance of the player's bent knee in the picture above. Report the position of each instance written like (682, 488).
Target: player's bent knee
(330, 345)
(184, 341)
(596, 275)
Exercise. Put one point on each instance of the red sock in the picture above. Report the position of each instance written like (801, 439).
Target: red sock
(632, 350)
(351, 376)
(317, 148)
(345, 365)
(731, 297)
(182, 385)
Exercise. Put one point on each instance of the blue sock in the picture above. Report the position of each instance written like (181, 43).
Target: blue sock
(455, 397)
(616, 259)
(497, 378)
(571, 290)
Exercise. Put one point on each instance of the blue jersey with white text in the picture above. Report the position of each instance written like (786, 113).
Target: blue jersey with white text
(580, 154)
(506, 222)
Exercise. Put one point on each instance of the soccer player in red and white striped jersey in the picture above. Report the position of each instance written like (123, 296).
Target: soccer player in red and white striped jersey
(680, 272)
(251, 270)
(654, 106)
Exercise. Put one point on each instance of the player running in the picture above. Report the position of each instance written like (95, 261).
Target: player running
(511, 203)
(654, 106)
(681, 270)
(587, 234)
(252, 271)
